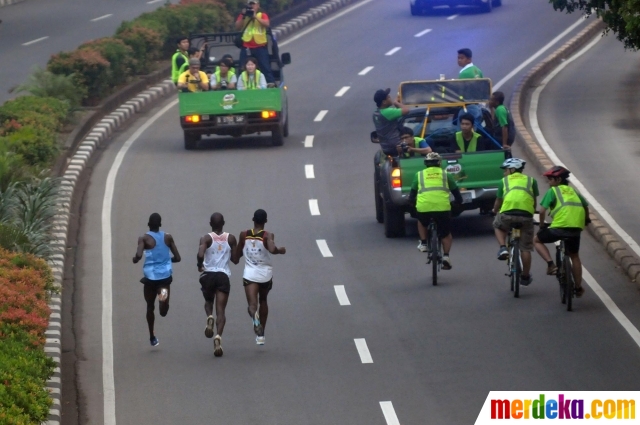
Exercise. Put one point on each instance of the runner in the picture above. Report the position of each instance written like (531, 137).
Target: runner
(213, 262)
(257, 245)
(157, 247)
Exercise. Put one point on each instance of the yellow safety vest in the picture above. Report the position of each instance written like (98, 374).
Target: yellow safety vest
(175, 71)
(433, 190)
(518, 193)
(246, 81)
(568, 211)
(473, 145)
(255, 31)
(230, 73)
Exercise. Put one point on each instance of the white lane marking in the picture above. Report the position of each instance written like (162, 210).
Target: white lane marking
(320, 24)
(108, 382)
(313, 207)
(363, 350)
(421, 33)
(320, 115)
(389, 413)
(99, 18)
(153, 1)
(308, 142)
(324, 248)
(537, 54)
(392, 51)
(342, 91)
(365, 71)
(452, 17)
(308, 171)
(29, 43)
(342, 295)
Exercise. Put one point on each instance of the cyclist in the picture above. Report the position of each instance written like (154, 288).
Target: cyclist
(516, 203)
(430, 193)
(570, 213)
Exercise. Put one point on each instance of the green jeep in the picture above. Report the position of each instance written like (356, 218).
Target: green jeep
(234, 112)
(478, 174)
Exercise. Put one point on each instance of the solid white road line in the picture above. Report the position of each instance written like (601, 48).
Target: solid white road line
(324, 248)
(389, 414)
(102, 17)
(313, 207)
(452, 17)
(537, 54)
(342, 91)
(308, 171)
(392, 51)
(29, 43)
(363, 350)
(342, 295)
(108, 382)
(365, 71)
(320, 116)
(421, 33)
(308, 141)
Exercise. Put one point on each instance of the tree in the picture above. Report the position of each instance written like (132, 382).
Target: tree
(621, 16)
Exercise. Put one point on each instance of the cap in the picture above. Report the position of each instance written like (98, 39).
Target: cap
(260, 216)
(194, 61)
(380, 96)
(252, 2)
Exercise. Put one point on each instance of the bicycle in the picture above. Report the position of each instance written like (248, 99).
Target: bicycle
(514, 261)
(434, 250)
(565, 275)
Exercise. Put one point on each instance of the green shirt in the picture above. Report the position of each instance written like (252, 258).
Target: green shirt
(470, 71)
(534, 189)
(391, 113)
(549, 200)
(502, 116)
(452, 182)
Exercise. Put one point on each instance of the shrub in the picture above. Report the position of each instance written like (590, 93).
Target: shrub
(90, 69)
(23, 108)
(43, 83)
(12, 168)
(146, 44)
(117, 53)
(37, 146)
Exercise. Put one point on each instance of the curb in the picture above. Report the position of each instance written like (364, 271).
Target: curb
(93, 133)
(599, 228)
(8, 2)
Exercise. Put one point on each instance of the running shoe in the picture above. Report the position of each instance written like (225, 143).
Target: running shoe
(422, 247)
(579, 291)
(164, 294)
(552, 269)
(260, 340)
(217, 346)
(526, 281)
(257, 327)
(208, 331)
(154, 341)
(446, 263)
(503, 254)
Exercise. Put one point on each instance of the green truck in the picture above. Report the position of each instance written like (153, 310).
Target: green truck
(478, 174)
(234, 112)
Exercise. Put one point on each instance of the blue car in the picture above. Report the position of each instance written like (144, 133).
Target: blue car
(423, 6)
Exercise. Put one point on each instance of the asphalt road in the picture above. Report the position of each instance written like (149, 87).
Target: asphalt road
(436, 351)
(590, 115)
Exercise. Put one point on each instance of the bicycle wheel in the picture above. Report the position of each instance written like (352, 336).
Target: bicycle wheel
(560, 275)
(570, 287)
(517, 269)
(435, 254)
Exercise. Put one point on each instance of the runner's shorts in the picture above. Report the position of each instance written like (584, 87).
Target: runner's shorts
(263, 285)
(572, 237)
(214, 281)
(504, 221)
(157, 283)
(442, 218)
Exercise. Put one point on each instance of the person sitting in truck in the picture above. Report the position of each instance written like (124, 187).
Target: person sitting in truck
(251, 78)
(410, 144)
(467, 140)
(194, 52)
(387, 121)
(224, 78)
(193, 80)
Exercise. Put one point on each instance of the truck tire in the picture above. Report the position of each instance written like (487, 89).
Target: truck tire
(393, 219)
(191, 140)
(414, 10)
(277, 136)
(497, 3)
(486, 7)
(378, 198)
(285, 130)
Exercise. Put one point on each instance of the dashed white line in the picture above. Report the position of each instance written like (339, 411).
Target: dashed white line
(308, 141)
(389, 413)
(363, 350)
(342, 295)
(308, 171)
(153, 1)
(365, 71)
(421, 33)
(99, 18)
(313, 207)
(392, 51)
(342, 91)
(324, 248)
(29, 43)
(320, 116)
(452, 17)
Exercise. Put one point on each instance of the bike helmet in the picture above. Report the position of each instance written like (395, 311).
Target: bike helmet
(557, 171)
(432, 158)
(516, 163)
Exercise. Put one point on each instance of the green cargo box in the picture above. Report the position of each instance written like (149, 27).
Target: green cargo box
(223, 102)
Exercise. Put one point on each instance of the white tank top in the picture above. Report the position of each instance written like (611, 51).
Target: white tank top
(216, 257)
(258, 266)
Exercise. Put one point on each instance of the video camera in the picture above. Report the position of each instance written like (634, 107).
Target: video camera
(248, 11)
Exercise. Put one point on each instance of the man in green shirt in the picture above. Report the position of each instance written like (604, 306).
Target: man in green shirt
(570, 212)
(469, 70)
(387, 121)
(504, 130)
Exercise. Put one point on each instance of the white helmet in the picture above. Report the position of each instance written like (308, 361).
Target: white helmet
(516, 163)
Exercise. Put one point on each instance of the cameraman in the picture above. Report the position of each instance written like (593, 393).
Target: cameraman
(254, 37)
(224, 78)
(193, 80)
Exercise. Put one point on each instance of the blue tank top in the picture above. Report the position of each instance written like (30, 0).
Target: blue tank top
(157, 261)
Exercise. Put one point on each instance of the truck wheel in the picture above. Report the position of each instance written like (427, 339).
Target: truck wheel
(276, 136)
(414, 10)
(486, 7)
(393, 219)
(497, 3)
(285, 131)
(378, 198)
(191, 140)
